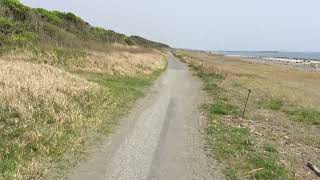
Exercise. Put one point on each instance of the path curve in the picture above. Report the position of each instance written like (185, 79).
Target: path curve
(161, 138)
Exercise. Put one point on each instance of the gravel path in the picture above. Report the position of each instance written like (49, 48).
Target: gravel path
(161, 138)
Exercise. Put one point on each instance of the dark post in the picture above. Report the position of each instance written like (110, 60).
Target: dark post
(245, 107)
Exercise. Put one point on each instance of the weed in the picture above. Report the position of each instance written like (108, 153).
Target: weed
(223, 108)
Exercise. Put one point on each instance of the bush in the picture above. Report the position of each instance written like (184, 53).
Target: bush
(6, 25)
(51, 16)
(23, 38)
(17, 10)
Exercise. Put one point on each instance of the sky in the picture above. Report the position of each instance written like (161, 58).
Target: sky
(246, 25)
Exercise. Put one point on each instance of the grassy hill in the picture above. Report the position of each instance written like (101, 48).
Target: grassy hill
(21, 26)
(63, 85)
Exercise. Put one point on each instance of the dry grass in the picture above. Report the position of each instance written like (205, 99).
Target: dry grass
(114, 60)
(48, 115)
(21, 81)
(37, 104)
(282, 120)
(123, 63)
(289, 84)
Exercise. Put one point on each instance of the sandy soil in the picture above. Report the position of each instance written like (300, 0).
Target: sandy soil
(163, 137)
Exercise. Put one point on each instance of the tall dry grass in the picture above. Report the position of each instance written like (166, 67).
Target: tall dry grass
(47, 112)
(123, 63)
(40, 109)
(114, 60)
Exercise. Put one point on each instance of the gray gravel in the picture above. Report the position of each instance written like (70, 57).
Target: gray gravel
(161, 138)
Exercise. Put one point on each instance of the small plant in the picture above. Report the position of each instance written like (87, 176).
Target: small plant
(223, 108)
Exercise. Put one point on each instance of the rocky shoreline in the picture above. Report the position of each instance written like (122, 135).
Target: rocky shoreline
(305, 64)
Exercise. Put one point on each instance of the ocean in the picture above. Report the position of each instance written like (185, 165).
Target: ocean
(275, 54)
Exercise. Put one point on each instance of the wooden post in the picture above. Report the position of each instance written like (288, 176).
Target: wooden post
(245, 107)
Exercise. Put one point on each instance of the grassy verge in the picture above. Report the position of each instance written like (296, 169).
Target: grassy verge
(49, 116)
(280, 130)
(124, 91)
(114, 100)
(233, 143)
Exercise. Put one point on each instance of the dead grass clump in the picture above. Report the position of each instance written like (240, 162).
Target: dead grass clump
(41, 115)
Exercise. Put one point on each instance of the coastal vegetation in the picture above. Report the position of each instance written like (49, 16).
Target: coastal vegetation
(278, 135)
(64, 85)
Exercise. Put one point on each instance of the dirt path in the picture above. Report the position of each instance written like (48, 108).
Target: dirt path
(162, 137)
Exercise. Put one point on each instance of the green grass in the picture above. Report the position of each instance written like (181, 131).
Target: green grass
(222, 108)
(272, 103)
(305, 115)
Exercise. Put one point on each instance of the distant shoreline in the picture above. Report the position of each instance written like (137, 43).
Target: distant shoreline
(309, 65)
(298, 60)
(308, 56)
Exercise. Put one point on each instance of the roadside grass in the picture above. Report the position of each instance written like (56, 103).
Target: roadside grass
(246, 151)
(124, 90)
(235, 145)
(50, 116)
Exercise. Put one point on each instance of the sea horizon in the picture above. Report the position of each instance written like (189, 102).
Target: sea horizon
(274, 54)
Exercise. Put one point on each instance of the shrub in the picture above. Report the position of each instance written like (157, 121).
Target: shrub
(17, 10)
(51, 16)
(6, 25)
(23, 38)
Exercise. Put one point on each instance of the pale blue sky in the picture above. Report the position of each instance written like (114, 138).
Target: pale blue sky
(287, 25)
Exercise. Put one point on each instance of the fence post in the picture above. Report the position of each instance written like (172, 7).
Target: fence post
(245, 107)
